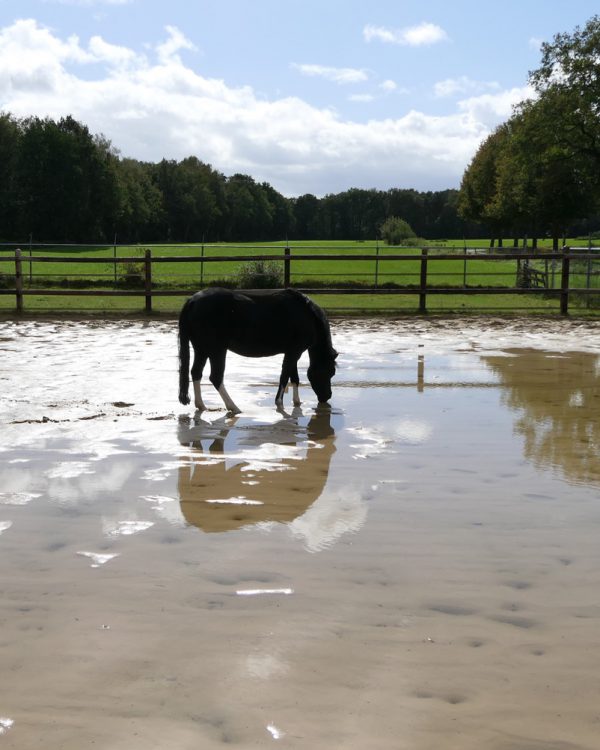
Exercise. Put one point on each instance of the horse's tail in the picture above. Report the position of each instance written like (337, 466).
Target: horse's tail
(184, 358)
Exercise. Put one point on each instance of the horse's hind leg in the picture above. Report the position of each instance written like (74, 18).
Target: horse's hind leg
(289, 372)
(295, 380)
(197, 369)
(217, 372)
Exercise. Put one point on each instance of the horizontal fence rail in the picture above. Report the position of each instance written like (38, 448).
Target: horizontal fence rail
(551, 274)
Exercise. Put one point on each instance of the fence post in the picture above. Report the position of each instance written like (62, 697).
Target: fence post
(423, 285)
(30, 256)
(286, 265)
(377, 265)
(564, 282)
(19, 280)
(588, 278)
(148, 279)
(202, 263)
(115, 259)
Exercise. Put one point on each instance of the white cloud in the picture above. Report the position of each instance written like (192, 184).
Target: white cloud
(491, 109)
(176, 41)
(112, 53)
(535, 43)
(463, 85)
(413, 36)
(32, 59)
(337, 75)
(361, 98)
(155, 105)
(388, 85)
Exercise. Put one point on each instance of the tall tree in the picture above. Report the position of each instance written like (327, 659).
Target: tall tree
(191, 203)
(282, 225)
(250, 212)
(478, 190)
(140, 214)
(541, 183)
(307, 217)
(9, 139)
(66, 181)
(568, 80)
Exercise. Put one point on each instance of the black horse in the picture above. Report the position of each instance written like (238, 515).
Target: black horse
(254, 323)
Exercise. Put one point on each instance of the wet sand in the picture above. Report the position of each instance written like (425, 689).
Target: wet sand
(417, 569)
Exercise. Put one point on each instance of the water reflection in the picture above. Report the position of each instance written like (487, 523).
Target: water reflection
(558, 401)
(243, 473)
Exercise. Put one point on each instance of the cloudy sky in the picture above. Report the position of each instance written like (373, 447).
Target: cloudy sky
(310, 95)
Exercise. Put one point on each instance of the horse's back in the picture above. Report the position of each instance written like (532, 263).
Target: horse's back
(254, 323)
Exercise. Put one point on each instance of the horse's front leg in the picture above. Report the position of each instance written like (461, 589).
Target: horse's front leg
(289, 372)
(217, 372)
(295, 379)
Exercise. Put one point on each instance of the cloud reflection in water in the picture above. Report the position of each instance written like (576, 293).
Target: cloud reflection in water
(256, 474)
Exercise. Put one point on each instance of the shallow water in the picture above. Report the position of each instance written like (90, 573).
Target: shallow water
(417, 568)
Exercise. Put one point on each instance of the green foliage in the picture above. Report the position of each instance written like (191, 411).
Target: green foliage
(537, 173)
(132, 275)
(569, 79)
(396, 231)
(60, 183)
(64, 180)
(260, 274)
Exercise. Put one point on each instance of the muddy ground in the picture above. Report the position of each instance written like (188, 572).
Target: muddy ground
(416, 569)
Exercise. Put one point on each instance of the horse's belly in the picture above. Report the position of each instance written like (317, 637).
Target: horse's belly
(259, 350)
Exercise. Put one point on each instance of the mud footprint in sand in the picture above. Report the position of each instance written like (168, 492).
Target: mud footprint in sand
(453, 699)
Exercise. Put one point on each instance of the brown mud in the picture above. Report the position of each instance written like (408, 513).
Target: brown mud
(416, 568)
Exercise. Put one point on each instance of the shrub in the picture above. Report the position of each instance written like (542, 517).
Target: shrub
(260, 274)
(132, 275)
(396, 231)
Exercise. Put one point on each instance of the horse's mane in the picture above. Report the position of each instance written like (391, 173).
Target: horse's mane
(325, 345)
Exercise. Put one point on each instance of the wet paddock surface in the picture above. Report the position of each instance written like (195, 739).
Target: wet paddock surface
(417, 568)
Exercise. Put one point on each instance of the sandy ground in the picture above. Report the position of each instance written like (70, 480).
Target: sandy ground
(417, 569)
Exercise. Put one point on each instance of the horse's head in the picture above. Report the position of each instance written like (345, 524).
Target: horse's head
(319, 376)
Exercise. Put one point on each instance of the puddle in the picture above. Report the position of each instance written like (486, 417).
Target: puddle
(415, 567)
(98, 558)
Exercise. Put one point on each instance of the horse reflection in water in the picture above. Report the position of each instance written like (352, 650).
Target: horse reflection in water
(255, 472)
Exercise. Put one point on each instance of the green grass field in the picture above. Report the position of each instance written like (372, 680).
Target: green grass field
(470, 270)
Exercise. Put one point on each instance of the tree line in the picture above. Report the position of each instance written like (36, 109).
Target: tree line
(61, 183)
(538, 173)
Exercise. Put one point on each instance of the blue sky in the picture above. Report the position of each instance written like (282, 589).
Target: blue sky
(311, 96)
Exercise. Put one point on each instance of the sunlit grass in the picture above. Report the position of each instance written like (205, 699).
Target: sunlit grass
(467, 270)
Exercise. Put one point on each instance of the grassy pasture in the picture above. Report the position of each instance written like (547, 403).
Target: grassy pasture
(474, 272)
(181, 274)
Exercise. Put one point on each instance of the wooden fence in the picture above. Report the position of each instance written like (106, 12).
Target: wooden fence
(527, 280)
